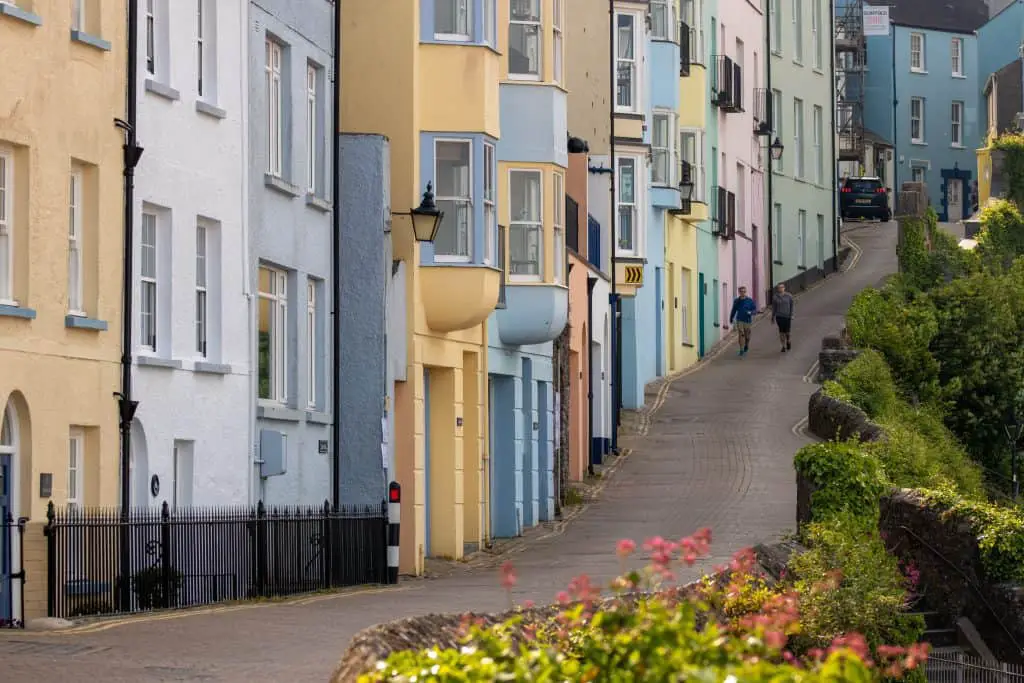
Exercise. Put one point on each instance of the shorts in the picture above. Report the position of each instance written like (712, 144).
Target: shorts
(784, 324)
(743, 328)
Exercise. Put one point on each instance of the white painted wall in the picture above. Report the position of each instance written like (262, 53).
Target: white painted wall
(194, 168)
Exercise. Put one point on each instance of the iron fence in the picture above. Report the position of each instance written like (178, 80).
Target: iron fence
(108, 561)
(12, 571)
(958, 667)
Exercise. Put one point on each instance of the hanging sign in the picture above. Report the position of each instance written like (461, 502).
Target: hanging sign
(876, 20)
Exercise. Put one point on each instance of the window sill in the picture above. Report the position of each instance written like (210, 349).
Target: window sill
(958, 76)
(157, 362)
(525, 279)
(210, 110)
(281, 185)
(20, 14)
(208, 368)
(716, 324)
(670, 41)
(14, 311)
(314, 202)
(922, 72)
(818, 70)
(529, 78)
(164, 91)
(316, 417)
(278, 413)
(81, 322)
(801, 267)
(90, 40)
(919, 143)
(687, 343)
(957, 146)
(798, 62)
(778, 263)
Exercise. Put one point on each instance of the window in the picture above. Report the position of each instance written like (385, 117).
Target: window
(714, 301)
(627, 204)
(798, 137)
(76, 453)
(75, 244)
(798, 30)
(917, 52)
(150, 38)
(6, 226)
(148, 282)
(956, 119)
(181, 484)
(526, 229)
(776, 21)
(490, 202)
(558, 42)
(202, 251)
(917, 174)
(776, 114)
(312, 132)
(821, 241)
(801, 237)
(275, 109)
(78, 15)
(453, 171)
(558, 238)
(956, 48)
(691, 145)
(524, 31)
(200, 47)
(451, 19)
(490, 23)
(273, 337)
(311, 344)
(819, 153)
(739, 211)
(625, 63)
(662, 24)
(777, 232)
(816, 33)
(917, 120)
(662, 154)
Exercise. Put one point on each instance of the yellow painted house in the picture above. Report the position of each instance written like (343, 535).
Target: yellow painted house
(426, 74)
(682, 228)
(60, 266)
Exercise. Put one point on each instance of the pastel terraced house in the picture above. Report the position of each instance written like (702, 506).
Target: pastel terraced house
(60, 271)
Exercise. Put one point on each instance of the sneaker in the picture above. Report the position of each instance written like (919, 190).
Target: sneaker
(745, 349)
(788, 346)
(783, 349)
(740, 352)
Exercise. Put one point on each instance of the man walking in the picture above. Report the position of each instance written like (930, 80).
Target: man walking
(782, 315)
(743, 310)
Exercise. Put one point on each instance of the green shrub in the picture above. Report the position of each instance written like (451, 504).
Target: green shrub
(868, 384)
(1001, 238)
(848, 477)
(1013, 145)
(867, 593)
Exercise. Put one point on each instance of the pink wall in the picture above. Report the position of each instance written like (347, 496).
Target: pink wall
(579, 335)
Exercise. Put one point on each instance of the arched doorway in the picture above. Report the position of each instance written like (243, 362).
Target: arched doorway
(8, 510)
(139, 467)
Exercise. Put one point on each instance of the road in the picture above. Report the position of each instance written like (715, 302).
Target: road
(717, 452)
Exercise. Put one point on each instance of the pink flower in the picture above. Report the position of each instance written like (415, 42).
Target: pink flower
(528, 604)
(508, 575)
(625, 548)
(563, 597)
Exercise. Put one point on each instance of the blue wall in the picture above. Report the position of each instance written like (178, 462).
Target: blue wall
(292, 231)
(940, 89)
(998, 41)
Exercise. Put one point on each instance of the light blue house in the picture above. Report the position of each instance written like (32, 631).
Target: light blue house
(999, 42)
(290, 224)
(935, 84)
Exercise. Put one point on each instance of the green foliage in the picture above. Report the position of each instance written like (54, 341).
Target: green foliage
(849, 479)
(867, 594)
(1002, 233)
(156, 588)
(1013, 145)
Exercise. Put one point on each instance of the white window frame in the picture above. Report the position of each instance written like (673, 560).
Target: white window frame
(956, 49)
(75, 471)
(528, 224)
(7, 227)
(917, 56)
(467, 200)
(78, 16)
(956, 120)
(665, 153)
(75, 303)
(312, 383)
(465, 7)
(914, 171)
(151, 37)
(202, 293)
(634, 207)
(667, 8)
(200, 46)
(819, 152)
(798, 137)
(919, 138)
(697, 163)
(775, 18)
(798, 30)
(538, 24)
(777, 232)
(558, 42)
(629, 63)
(490, 201)
(149, 282)
(278, 299)
(816, 34)
(558, 233)
(274, 53)
(490, 11)
(801, 236)
(312, 129)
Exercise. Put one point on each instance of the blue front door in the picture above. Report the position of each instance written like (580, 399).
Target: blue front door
(701, 293)
(6, 527)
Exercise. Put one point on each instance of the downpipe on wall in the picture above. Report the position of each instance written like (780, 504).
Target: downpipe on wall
(835, 157)
(614, 300)
(335, 263)
(590, 374)
(772, 116)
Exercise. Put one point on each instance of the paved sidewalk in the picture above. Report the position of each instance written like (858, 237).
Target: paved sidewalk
(717, 453)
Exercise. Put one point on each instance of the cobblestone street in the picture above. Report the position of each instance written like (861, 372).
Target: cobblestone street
(717, 452)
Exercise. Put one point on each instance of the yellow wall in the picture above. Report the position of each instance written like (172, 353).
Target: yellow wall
(693, 94)
(384, 48)
(984, 175)
(681, 253)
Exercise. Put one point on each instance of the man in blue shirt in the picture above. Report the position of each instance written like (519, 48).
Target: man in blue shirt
(743, 310)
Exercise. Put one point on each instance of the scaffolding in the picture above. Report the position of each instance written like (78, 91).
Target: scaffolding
(851, 51)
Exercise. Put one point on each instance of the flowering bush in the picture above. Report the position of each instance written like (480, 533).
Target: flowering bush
(655, 636)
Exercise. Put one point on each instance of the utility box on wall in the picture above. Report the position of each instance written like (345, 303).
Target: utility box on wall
(273, 453)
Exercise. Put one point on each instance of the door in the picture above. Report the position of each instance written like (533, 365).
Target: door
(954, 199)
(426, 463)
(821, 242)
(7, 529)
(701, 296)
(490, 454)
(659, 314)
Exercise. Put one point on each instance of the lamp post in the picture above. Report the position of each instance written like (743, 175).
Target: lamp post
(1014, 427)
(776, 149)
(686, 188)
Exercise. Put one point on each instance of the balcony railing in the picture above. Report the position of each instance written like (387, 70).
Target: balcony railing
(572, 224)
(727, 85)
(719, 204)
(594, 242)
(762, 111)
(730, 217)
(502, 265)
(685, 43)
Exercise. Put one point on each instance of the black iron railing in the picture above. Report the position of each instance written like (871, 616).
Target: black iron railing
(12, 571)
(572, 224)
(200, 556)
(719, 210)
(727, 84)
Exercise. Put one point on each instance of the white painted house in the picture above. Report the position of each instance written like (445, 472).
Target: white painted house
(192, 376)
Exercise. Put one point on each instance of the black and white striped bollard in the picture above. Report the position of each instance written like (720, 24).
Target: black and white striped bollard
(394, 524)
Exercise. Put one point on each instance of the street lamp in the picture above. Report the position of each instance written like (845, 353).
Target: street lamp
(686, 187)
(1014, 427)
(426, 219)
(777, 148)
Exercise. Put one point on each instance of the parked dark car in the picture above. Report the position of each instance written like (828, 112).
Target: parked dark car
(864, 198)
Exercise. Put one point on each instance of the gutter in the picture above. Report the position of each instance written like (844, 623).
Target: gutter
(835, 162)
(591, 281)
(773, 116)
(615, 300)
(335, 264)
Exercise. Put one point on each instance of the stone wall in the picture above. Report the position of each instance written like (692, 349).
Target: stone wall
(830, 419)
(836, 352)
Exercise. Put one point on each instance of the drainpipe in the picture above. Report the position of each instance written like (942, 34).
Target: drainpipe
(126, 406)
(616, 301)
(895, 127)
(335, 265)
(835, 163)
(773, 116)
(590, 374)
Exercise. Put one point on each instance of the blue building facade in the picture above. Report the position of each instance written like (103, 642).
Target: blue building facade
(290, 224)
(937, 118)
(999, 43)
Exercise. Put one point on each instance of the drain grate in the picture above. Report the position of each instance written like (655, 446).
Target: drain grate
(43, 647)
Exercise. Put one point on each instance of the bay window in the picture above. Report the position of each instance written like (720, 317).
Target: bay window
(452, 19)
(524, 39)
(662, 152)
(526, 227)
(453, 171)
(625, 63)
(626, 199)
